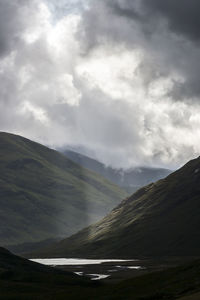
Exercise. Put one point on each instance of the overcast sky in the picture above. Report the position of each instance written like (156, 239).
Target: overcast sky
(120, 79)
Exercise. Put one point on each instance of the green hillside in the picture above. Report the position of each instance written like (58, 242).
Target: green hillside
(160, 219)
(45, 195)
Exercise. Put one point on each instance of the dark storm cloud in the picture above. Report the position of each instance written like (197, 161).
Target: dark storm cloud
(166, 32)
(126, 8)
(182, 15)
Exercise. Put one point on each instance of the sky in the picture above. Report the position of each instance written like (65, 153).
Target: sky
(119, 80)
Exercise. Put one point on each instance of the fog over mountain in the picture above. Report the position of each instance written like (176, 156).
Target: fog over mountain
(119, 78)
(130, 180)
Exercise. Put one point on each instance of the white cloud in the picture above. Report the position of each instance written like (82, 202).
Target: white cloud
(112, 98)
(112, 71)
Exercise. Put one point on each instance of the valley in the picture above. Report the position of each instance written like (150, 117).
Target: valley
(99, 150)
(160, 219)
(158, 279)
(145, 246)
(114, 270)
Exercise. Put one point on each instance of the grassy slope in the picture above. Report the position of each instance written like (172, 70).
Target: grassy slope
(43, 194)
(21, 279)
(159, 219)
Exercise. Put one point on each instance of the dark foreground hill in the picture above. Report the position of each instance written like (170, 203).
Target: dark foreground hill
(17, 268)
(45, 195)
(160, 219)
(130, 179)
(23, 279)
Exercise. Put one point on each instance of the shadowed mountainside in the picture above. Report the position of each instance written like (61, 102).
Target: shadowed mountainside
(160, 219)
(23, 279)
(45, 195)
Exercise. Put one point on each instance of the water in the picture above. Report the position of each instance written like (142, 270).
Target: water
(93, 276)
(78, 262)
(98, 276)
(75, 261)
(79, 273)
(131, 267)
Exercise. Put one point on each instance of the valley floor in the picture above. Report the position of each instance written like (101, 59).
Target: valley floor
(155, 280)
(118, 271)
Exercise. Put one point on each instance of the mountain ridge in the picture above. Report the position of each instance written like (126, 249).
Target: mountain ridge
(45, 195)
(160, 219)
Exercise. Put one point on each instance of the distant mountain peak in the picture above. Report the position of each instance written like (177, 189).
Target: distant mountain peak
(130, 179)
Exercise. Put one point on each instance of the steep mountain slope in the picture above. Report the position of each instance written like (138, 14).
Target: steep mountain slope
(159, 219)
(45, 195)
(130, 179)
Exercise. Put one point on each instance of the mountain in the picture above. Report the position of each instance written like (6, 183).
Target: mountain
(13, 266)
(160, 219)
(44, 195)
(130, 179)
(23, 279)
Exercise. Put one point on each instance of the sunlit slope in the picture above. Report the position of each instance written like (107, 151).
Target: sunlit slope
(43, 194)
(159, 219)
